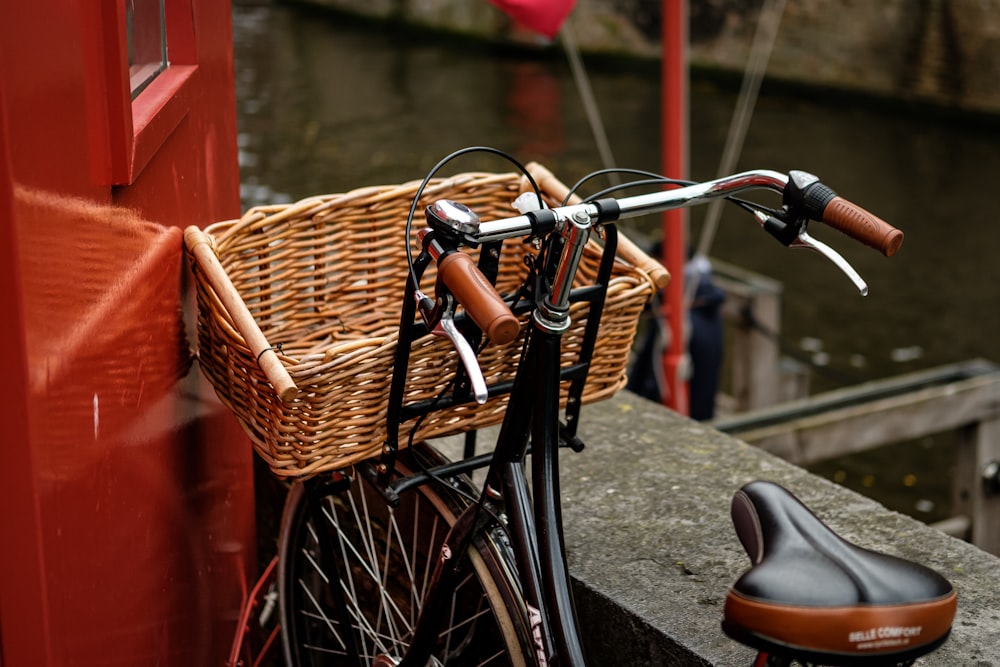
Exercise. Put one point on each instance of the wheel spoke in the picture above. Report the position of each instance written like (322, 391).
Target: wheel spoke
(368, 565)
(385, 560)
(429, 562)
(323, 649)
(388, 608)
(320, 613)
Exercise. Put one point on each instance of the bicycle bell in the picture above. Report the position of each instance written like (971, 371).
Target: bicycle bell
(452, 218)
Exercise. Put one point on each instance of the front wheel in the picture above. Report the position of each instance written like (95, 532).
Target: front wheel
(384, 558)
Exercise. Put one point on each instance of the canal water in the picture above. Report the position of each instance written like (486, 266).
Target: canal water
(327, 105)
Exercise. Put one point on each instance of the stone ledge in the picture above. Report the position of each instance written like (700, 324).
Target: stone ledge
(652, 550)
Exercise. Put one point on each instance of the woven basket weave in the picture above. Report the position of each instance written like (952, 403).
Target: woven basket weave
(323, 279)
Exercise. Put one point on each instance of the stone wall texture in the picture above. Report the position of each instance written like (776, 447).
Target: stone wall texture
(946, 52)
(942, 52)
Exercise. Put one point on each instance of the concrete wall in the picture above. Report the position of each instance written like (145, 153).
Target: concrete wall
(653, 552)
(942, 52)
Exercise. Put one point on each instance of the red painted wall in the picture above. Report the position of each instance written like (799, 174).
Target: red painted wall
(126, 504)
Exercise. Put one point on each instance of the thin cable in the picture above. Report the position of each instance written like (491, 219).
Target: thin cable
(633, 184)
(588, 100)
(760, 53)
(621, 170)
(431, 174)
(434, 477)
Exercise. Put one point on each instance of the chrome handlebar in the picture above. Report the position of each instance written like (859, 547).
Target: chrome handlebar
(575, 223)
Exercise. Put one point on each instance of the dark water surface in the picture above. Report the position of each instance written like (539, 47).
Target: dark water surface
(327, 105)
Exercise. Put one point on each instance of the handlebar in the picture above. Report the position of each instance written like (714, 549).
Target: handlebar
(804, 198)
(803, 195)
(627, 250)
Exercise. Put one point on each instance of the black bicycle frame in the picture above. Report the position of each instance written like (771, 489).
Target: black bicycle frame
(531, 423)
(535, 528)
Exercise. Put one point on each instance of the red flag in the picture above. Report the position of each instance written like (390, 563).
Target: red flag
(544, 16)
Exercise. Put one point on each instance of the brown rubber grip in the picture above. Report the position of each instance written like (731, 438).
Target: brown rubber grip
(479, 297)
(859, 224)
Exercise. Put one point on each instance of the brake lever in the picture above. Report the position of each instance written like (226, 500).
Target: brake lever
(440, 320)
(795, 236)
(804, 240)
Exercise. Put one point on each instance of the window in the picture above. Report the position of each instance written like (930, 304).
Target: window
(145, 26)
(140, 61)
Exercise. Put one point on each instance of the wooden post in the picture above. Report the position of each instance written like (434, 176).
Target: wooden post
(978, 445)
(757, 376)
(986, 502)
(753, 303)
(963, 486)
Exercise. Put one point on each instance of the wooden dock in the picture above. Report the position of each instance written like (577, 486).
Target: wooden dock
(963, 397)
(767, 404)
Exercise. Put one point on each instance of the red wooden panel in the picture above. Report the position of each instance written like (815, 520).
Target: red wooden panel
(126, 507)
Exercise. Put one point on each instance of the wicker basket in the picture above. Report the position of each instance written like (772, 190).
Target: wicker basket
(322, 280)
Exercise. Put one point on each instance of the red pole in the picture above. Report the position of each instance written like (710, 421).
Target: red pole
(674, 157)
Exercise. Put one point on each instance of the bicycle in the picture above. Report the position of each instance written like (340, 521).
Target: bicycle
(400, 559)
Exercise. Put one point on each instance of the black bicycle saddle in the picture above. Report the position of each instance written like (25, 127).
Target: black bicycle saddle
(813, 595)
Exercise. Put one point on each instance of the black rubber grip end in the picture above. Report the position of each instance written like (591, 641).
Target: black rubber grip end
(608, 209)
(805, 194)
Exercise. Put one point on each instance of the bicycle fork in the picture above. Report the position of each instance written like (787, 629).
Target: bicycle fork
(535, 528)
(533, 521)
(556, 611)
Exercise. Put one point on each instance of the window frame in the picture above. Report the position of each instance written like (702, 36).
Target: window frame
(126, 133)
